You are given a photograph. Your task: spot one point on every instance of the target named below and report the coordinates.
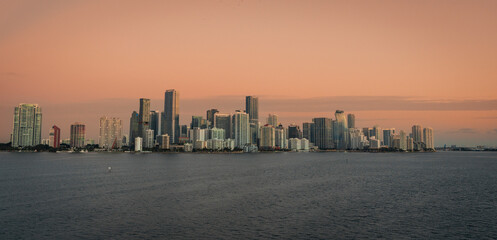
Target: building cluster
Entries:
(239, 130)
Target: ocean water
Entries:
(444, 195)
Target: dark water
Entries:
(240, 196)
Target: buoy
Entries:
(109, 169)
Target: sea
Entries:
(329, 195)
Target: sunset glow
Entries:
(391, 63)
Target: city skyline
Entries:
(94, 133)
(390, 63)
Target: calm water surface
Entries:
(257, 196)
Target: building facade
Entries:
(252, 108)
(78, 135)
(170, 116)
(268, 139)
(27, 125)
(272, 119)
(241, 129)
(323, 133)
(54, 137)
(351, 120)
(428, 138)
(110, 133)
(210, 116)
(133, 127)
(417, 133)
(223, 121)
(340, 130)
(155, 122)
(144, 117)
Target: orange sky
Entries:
(64, 52)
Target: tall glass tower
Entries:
(133, 128)
(170, 116)
(341, 134)
(154, 122)
(252, 108)
(323, 133)
(144, 117)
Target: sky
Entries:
(391, 63)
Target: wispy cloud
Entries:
(10, 74)
(358, 103)
(492, 131)
(463, 131)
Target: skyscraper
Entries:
(280, 137)
(417, 134)
(308, 131)
(184, 131)
(170, 117)
(241, 129)
(254, 133)
(428, 138)
(387, 136)
(323, 133)
(149, 140)
(27, 125)
(351, 120)
(272, 120)
(144, 117)
(164, 141)
(294, 131)
(267, 137)
(340, 132)
(133, 127)
(403, 140)
(154, 122)
(78, 134)
(54, 137)
(223, 121)
(197, 122)
(210, 116)
(252, 108)
(110, 133)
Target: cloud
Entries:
(369, 103)
(10, 74)
(464, 131)
(492, 131)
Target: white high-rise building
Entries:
(27, 125)
(272, 120)
(304, 144)
(241, 129)
(138, 144)
(410, 144)
(417, 134)
(149, 138)
(280, 138)
(216, 133)
(356, 139)
(110, 133)
(215, 144)
(403, 140)
(267, 137)
(164, 141)
(197, 134)
(294, 144)
(229, 144)
(428, 138)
